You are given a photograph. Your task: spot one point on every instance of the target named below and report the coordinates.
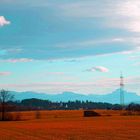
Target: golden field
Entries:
(71, 125)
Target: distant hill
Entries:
(113, 97)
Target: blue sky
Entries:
(69, 45)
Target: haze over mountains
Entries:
(113, 97)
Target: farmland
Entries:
(71, 125)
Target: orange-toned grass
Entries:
(71, 125)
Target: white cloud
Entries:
(5, 73)
(91, 43)
(99, 68)
(121, 14)
(56, 73)
(17, 60)
(3, 21)
(88, 9)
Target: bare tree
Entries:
(5, 96)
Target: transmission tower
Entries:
(121, 90)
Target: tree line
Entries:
(39, 104)
(8, 104)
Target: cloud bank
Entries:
(84, 28)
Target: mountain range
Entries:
(113, 97)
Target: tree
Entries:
(5, 97)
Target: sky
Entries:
(80, 46)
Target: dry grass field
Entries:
(71, 125)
